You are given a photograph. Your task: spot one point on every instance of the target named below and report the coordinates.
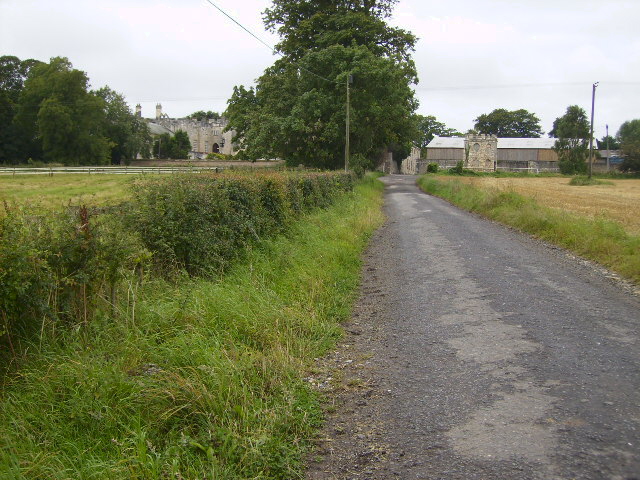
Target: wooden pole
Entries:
(593, 103)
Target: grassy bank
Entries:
(599, 239)
(199, 379)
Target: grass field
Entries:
(58, 190)
(617, 200)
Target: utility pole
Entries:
(346, 143)
(608, 151)
(593, 103)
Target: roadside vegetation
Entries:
(189, 376)
(599, 238)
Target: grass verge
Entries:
(201, 379)
(601, 240)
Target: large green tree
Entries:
(509, 124)
(297, 110)
(629, 138)
(60, 120)
(175, 146)
(13, 73)
(572, 146)
(129, 134)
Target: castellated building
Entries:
(206, 136)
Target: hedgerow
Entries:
(201, 223)
(67, 267)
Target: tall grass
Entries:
(601, 240)
(197, 379)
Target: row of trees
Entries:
(48, 114)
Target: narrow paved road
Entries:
(476, 352)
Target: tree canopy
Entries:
(13, 73)
(172, 146)
(47, 113)
(573, 124)
(129, 134)
(608, 142)
(629, 137)
(297, 110)
(202, 115)
(429, 127)
(572, 131)
(509, 124)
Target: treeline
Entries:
(48, 114)
(64, 268)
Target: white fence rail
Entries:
(115, 170)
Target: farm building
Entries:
(487, 152)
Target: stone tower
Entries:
(138, 110)
(481, 152)
(158, 111)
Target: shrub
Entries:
(458, 169)
(57, 268)
(433, 168)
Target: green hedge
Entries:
(201, 223)
(66, 267)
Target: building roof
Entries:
(536, 143)
(156, 129)
(526, 143)
(446, 142)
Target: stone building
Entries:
(206, 136)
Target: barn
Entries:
(487, 152)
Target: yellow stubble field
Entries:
(619, 201)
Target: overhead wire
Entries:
(276, 52)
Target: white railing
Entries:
(113, 170)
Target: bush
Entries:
(60, 267)
(433, 168)
(458, 169)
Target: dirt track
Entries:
(477, 353)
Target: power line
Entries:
(242, 27)
(266, 44)
(518, 85)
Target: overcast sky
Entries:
(472, 55)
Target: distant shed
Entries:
(445, 150)
(510, 154)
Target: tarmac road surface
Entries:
(476, 352)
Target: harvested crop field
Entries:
(619, 200)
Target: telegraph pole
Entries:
(608, 151)
(346, 143)
(593, 103)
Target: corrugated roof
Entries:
(446, 142)
(532, 143)
(544, 143)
